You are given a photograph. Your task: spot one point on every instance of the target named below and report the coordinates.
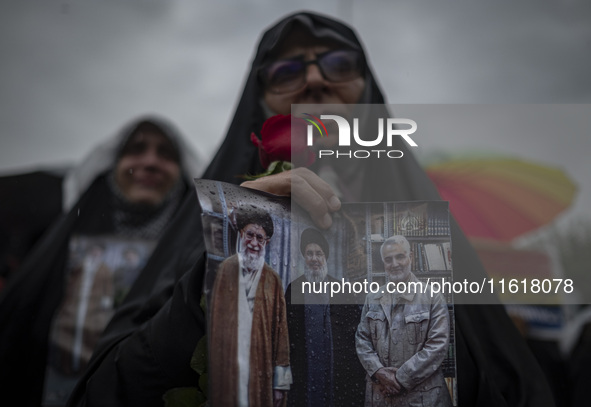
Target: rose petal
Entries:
(284, 138)
(255, 140)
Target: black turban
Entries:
(251, 214)
(312, 235)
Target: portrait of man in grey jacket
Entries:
(403, 337)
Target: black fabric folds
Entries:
(29, 300)
(29, 204)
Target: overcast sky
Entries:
(74, 72)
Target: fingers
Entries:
(382, 389)
(306, 189)
(387, 391)
(392, 381)
(278, 184)
(315, 196)
(388, 385)
(318, 185)
(395, 384)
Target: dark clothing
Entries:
(29, 302)
(348, 376)
(146, 348)
(29, 204)
(148, 345)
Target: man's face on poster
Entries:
(396, 258)
(316, 268)
(252, 248)
(96, 252)
(132, 258)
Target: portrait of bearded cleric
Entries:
(249, 344)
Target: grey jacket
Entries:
(409, 332)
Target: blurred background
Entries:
(73, 72)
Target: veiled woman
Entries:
(494, 365)
(117, 203)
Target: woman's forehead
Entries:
(298, 50)
(150, 135)
(300, 41)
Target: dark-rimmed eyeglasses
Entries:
(289, 75)
(250, 235)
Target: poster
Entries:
(303, 316)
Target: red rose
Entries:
(283, 138)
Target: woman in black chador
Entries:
(147, 350)
(117, 202)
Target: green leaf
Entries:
(199, 358)
(279, 166)
(203, 383)
(203, 304)
(287, 165)
(271, 168)
(183, 397)
(274, 168)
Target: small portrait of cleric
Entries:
(325, 367)
(403, 338)
(249, 344)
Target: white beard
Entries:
(316, 276)
(398, 279)
(251, 261)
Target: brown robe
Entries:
(269, 345)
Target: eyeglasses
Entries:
(289, 75)
(250, 235)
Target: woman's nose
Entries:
(314, 76)
(150, 157)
